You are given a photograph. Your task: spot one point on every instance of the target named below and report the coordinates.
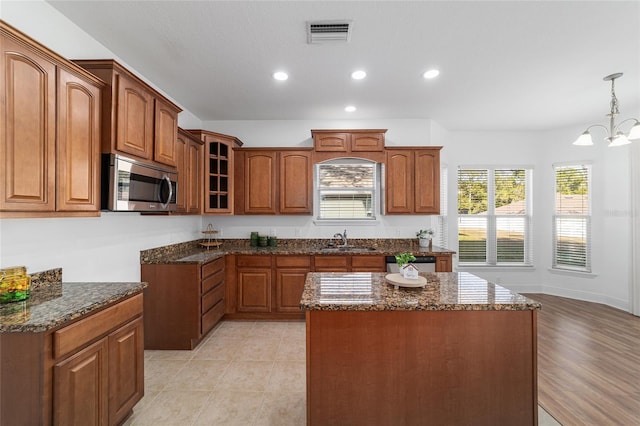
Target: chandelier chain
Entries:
(614, 99)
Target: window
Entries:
(494, 217)
(572, 218)
(443, 226)
(346, 190)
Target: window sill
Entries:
(570, 273)
(514, 268)
(346, 222)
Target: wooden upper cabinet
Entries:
(78, 149)
(189, 160)
(346, 141)
(296, 182)
(50, 138)
(138, 121)
(27, 148)
(274, 181)
(331, 141)
(427, 181)
(135, 118)
(166, 128)
(399, 185)
(260, 182)
(413, 180)
(367, 142)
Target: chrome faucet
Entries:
(342, 236)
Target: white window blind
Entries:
(494, 216)
(346, 191)
(572, 218)
(443, 226)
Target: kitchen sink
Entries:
(341, 249)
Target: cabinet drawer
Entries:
(212, 316)
(212, 297)
(369, 262)
(82, 332)
(293, 261)
(253, 261)
(212, 267)
(212, 281)
(331, 261)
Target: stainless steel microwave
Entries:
(130, 185)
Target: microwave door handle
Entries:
(168, 181)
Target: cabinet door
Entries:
(78, 146)
(193, 163)
(183, 173)
(399, 177)
(336, 142)
(81, 386)
(289, 287)
(296, 182)
(444, 264)
(427, 182)
(331, 263)
(126, 370)
(367, 142)
(166, 129)
(260, 182)
(368, 264)
(254, 290)
(135, 119)
(27, 138)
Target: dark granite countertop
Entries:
(55, 304)
(444, 291)
(192, 252)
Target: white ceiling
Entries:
(505, 65)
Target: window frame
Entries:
(376, 196)
(491, 243)
(555, 265)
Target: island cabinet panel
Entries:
(450, 367)
(183, 302)
(50, 138)
(291, 272)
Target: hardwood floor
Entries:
(588, 362)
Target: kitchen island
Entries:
(461, 351)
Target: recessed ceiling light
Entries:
(350, 108)
(280, 75)
(358, 75)
(431, 74)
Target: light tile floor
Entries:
(243, 373)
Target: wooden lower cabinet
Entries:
(183, 302)
(291, 273)
(444, 263)
(254, 283)
(368, 264)
(88, 372)
(331, 263)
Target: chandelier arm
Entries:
(615, 130)
(597, 125)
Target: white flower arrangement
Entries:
(425, 233)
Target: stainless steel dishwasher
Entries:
(423, 263)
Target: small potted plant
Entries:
(407, 270)
(424, 237)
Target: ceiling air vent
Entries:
(328, 31)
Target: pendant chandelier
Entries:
(614, 135)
